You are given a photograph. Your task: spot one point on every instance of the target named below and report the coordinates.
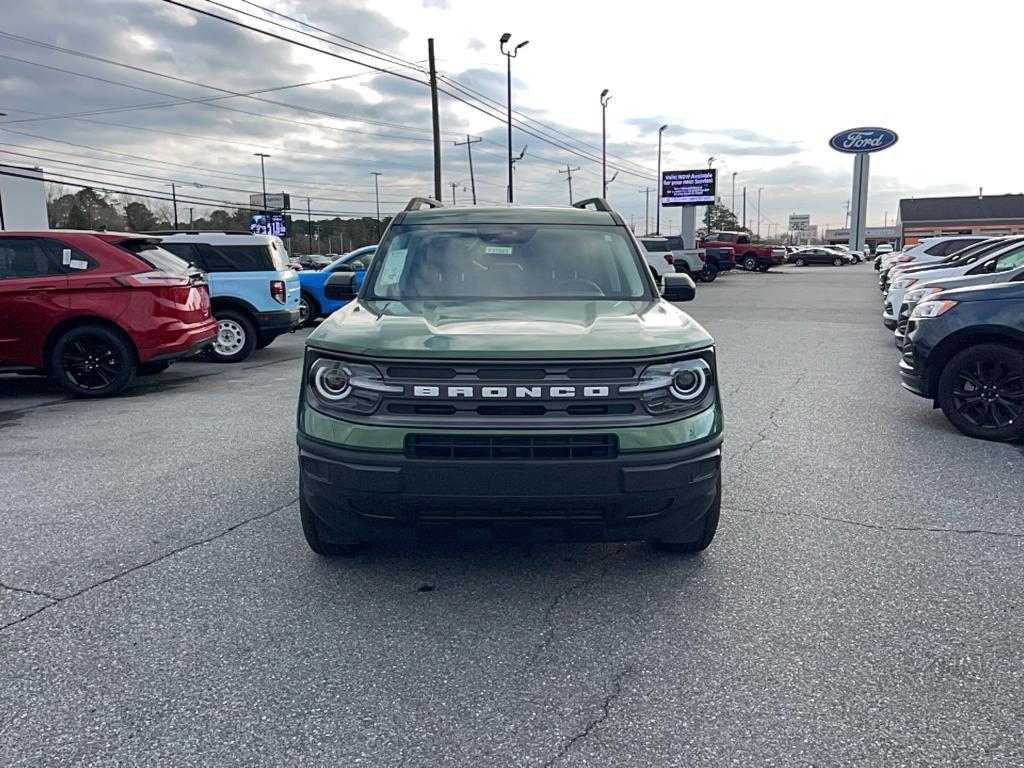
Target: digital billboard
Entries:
(271, 224)
(688, 187)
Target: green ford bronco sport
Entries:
(513, 373)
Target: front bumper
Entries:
(913, 375)
(373, 495)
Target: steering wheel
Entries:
(586, 287)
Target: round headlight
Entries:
(688, 383)
(332, 382)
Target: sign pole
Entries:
(858, 213)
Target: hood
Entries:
(535, 328)
(985, 292)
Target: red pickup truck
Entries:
(748, 255)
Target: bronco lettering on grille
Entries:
(509, 393)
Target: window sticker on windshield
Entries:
(393, 266)
(498, 250)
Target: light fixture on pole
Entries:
(509, 55)
(657, 208)
(605, 98)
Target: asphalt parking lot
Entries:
(860, 606)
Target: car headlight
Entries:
(918, 294)
(684, 386)
(345, 387)
(904, 282)
(932, 308)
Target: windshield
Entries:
(507, 261)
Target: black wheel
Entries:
(708, 273)
(236, 337)
(322, 544)
(309, 309)
(152, 369)
(800, 262)
(93, 361)
(837, 262)
(707, 535)
(981, 391)
(750, 263)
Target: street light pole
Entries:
(759, 189)
(657, 208)
(734, 193)
(509, 55)
(309, 225)
(174, 202)
(605, 98)
(376, 193)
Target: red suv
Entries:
(92, 309)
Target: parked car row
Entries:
(956, 307)
(95, 309)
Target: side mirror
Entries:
(678, 287)
(340, 286)
(991, 266)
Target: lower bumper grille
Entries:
(499, 447)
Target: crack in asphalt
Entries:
(548, 635)
(879, 527)
(606, 709)
(139, 566)
(762, 434)
(34, 592)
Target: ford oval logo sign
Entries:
(861, 140)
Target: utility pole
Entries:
(657, 208)
(568, 172)
(744, 207)
(847, 219)
(469, 142)
(174, 201)
(759, 211)
(263, 173)
(647, 209)
(376, 192)
(734, 193)
(605, 98)
(190, 211)
(437, 120)
(309, 224)
(453, 185)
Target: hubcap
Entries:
(91, 363)
(303, 309)
(230, 338)
(989, 394)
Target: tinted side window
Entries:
(656, 246)
(236, 258)
(1010, 261)
(675, 243)
(187, 253)
(360, 263)
(30, 257)
(155, 256)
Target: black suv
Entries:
(965, 351)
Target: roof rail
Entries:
(417, 203)
(599, 203)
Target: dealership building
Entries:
(874, 236)
(975, 215)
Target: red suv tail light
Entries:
(670, 259)
(278, 292)
(156, 278)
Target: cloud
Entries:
(441, 5)
(476, 44)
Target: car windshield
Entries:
(507, 261)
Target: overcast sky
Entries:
(759, 86)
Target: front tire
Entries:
(981, 392)
(750, 263)
(236, 337)
(318, 536)
(93, 361)
(707, 532)
(309, 309)
(800, 262)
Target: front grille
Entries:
(506, 447)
